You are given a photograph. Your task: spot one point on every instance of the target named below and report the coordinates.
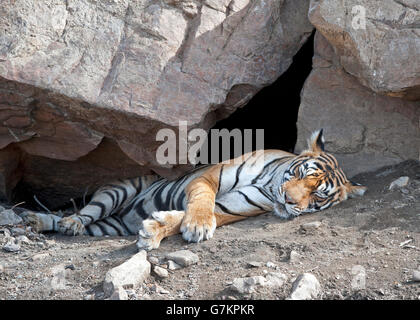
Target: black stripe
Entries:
(117, 225)
(160, 204)
(250, 201)
(238, 172)
(112, 226)
(127, 209)
(318, 166)
(174, 190)
(226, 210)
(133, 184)
(117, 202)
(109, 194)
(264, 193)
(89, 231)
(123, 225)
(102, 228)
(139, 210)
(269, 181)
(87, 216)
(54, 225)
(124, 191)
(341, 177)
(263, 171)
(100, 205)
(180, 201)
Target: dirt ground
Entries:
(380, 232)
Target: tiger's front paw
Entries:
(197, 227)
(161, 224)
(70, 226)
(149, 235)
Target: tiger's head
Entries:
(314, 181)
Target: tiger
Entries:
(210, 196)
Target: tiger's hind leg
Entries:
(160, 225)
(105, 202)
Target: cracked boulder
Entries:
(363, 129)
(378, 42)
(86, 85)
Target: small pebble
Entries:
(11, 247)
(173, 265)
(184, 258)
(399, 183)
(153, 260)
(161, 272)
(23, 239)
(294, 256)
(159, 289)
(305, 287)
(311, 226)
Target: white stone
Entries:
(158, 289)
(11, 247)
(358, 281)
(275, 279)
(184, 258)
(130, 274)
(399, 183)
(173, 265)
(23, 239)
(153, 260)
(311, 226)
(294, 256)
(161, 272)
(305, 287)
(248, 284)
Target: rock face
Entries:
(75, 73)
(363, 129)
(378, 42)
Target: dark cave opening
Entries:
(275, 107)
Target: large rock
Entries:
(365, 130)
(75, 72)
(376, 41)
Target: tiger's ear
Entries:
(316, 141)
(355, 189)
